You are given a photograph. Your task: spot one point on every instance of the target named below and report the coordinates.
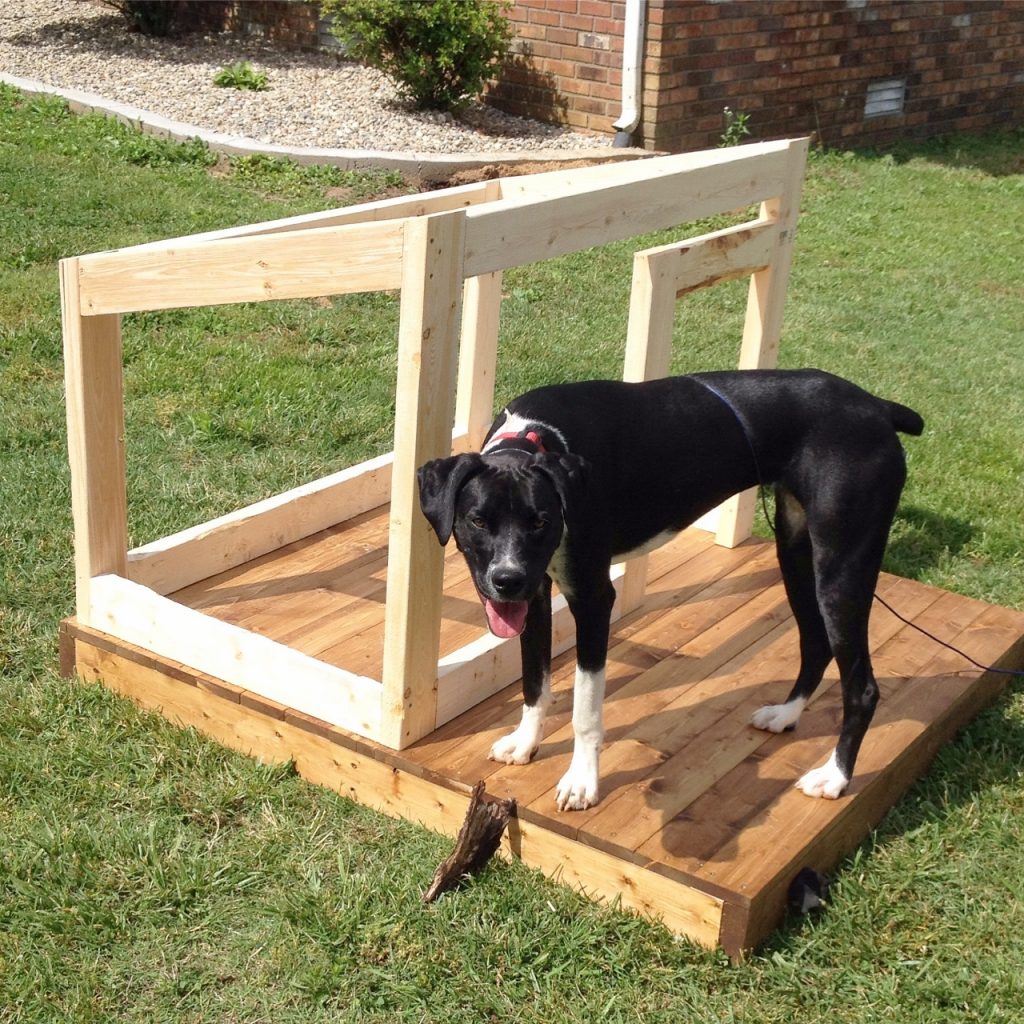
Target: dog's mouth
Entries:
(505, 619)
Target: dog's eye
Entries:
(478, 522)
(539, 523)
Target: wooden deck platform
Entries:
(699, 823)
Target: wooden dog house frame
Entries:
(445, 251)
(141, 625)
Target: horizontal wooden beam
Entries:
(704, 260)
(396, 208)
(642, 197)
(202, 551)
(141, 617)
(290, 265)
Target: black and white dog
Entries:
(574, 477)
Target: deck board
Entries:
(699, 815)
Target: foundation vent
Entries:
(885, 97)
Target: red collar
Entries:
(531, 435)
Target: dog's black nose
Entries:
(507, 580)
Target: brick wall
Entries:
(566, 63)
(792, 66)
(294, 23)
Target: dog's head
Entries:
(508, 511)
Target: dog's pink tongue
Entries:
(506, 618)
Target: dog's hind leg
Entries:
(793, 545)
(848, 549)
(518, 747)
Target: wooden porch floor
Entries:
(698, 821)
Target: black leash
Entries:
(768, 518)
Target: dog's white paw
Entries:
(779, 717)
(826, 782)
(515, 748)
(577, 789)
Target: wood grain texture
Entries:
(94, 396)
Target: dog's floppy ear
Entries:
(569, 474)
(440, 481)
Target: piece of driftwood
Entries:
(475, 844)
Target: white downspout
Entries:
(632, 72)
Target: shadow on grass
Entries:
(996, 153)
(921, 539)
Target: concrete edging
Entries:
(425, 166)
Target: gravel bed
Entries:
(312, 100)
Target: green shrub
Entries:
(439, 53)
(241, 75)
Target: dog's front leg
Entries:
(578, 788)
(535, 644)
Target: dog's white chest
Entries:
(558, 568)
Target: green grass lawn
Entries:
(148, 875)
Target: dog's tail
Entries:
(904, 419)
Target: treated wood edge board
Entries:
(355, 771)
(189, 676)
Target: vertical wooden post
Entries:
(478, 351)
(762, 327)
(478, 358)
(648, 355)
(432, 281)
(95, 415)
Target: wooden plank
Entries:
(653, 663)
(722, 255)
(568, 180)
(648, 355)
(939, 698)
(674, 190)
(478, 351)
(291, 265)
(637, 643)
(331, 762)
(395, 208)
(245, 592)
(501, 711)
(829, 829)
(654, 688)
(125, 610)
(704, 733)
(683, 909)
(94, 396)
(432, 287)
(208, 549)
(691, 831)
(478, 358)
